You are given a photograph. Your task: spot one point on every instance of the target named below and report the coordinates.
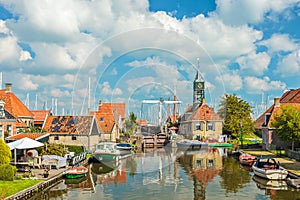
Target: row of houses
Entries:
(16, 118)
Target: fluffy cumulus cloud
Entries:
(289, 66)
(237, 12)
(256, 85)
(231, 82)
(73, 40)
(255, 64)
(279, 42)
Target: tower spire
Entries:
(199, 89)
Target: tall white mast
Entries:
(0, 80)
(35, 104)
(27, 100)
(89, 96)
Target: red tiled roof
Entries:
(108, 114)
(14, 105)
(40, 115)
(68, 124)
(141, 122)
(33, 136)
(291, 97)
(204, 112)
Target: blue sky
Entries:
(133, 50)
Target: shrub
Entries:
(5, 153)
(7, 172)
(76, 149)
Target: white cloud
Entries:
(290, 65)
(25, 55)
(255, 64)
(237, 12)
(56, 92)
(279, 42)
(256, 85)
(106, 90)
(231, 82)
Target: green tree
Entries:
(5, 153)
(287, 124)
(236, 112)
(130, 124)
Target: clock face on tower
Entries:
(199, 85)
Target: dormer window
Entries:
(101, 119)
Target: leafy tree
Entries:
(130, 124)
(287, 124)
(236, 112)
(5, 153)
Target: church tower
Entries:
(199, 88)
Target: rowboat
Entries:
(76, 172)
(268, 168)
(246, 159)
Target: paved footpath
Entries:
(291, 165)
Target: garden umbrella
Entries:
(24, 143)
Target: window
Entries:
(56, 137)
(210, 126)
(74, 137)
(8, 128)
(101, 119)
(266, 119)
(198, 126)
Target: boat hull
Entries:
(247, 159)
(72, 176)
(272, 174)
(105, 157)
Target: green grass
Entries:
(8, 188)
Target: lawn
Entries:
(8, 188)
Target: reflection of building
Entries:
(199, 120)
(204, 166)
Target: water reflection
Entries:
(171, 174)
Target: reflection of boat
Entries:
(108, 151)
(246, 167)
(270, 184)
(246, 159)
(224, 145)
(103, 168)
(76, 172)
(190, 144)
(75, 180)
(268, 168)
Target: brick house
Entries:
(263, 124)
(110, 119)
(7, 122)
(73, 130)
(16, 108)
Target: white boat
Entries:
(191, 144)
(108, 152)
(268, 168)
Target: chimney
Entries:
(277, 102)
(99, 105)
(203, 101)
(8, 87)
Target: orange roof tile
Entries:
(14, 105)
(40, 115)
(33, 136)
(204, 112)
(108, 114)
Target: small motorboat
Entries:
(76, 172)
(246, 159)
(268, 168)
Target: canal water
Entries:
(168, 173)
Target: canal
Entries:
(168, 173)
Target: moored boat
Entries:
(76, 172)
(106, 152)
(223, 145)
(246, 159)
(268, 168)
(190, 144)
(124, 147)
